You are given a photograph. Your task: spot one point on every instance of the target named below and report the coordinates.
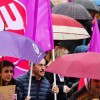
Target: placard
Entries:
(7, 92)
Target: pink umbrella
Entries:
(67, 28)
(83, 65)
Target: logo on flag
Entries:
(35, 48)
(12, 16)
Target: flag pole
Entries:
(54, 75)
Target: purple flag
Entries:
(44, 34)
(94, 45)
(39, 26)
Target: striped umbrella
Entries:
(67, 28)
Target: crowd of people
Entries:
(43, 88)
(42, 83)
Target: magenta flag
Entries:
(94, 45)
(39, 24)
(44, 34)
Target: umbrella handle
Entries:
(30, 79)
(55, 94)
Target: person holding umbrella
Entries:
(62, 82)
(40, 87)
(91, 91)
(6, 76)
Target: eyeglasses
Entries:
(7, 71)
(41, 65)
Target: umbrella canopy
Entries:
(57, 2)
(67, 28)
(19, 46)
(73, 10)
(88, 4)
(83, 65)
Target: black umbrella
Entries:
(73, 10)
(88, 4)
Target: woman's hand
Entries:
(66, 89)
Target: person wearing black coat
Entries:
(60, 80)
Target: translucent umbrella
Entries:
(74, 10)
(88, 4)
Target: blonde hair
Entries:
(60, 51)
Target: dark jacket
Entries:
(61, 95)
(13, 82)
(39, 89)
(77, 94)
